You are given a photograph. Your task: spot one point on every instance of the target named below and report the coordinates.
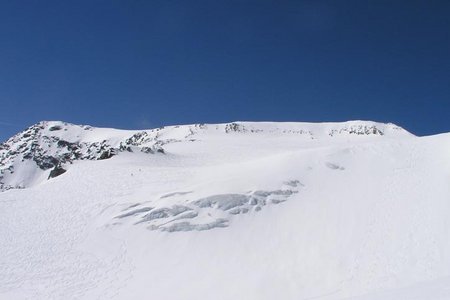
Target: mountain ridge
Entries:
(53, 145)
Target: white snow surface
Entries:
(246, 210)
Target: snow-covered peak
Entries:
(29, 157)
(46, 149)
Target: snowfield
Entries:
(356, 210)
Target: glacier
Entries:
(243, 210)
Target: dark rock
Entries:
(55, 128)
(107, 154)
(232, 127)
(63, 143)
(46, 162)
(147, 150)
(58, 170)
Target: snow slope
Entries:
(355, 210)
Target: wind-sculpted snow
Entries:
(215, 211)
(334, 166)
(135, 211)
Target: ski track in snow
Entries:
(43, 235)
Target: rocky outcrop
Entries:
(54, 145)
(58, 170)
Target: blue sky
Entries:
(141, 64)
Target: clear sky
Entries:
(142, 64)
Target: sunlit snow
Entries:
(356, 210)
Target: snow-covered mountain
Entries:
(244, 210)
(30, 157)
